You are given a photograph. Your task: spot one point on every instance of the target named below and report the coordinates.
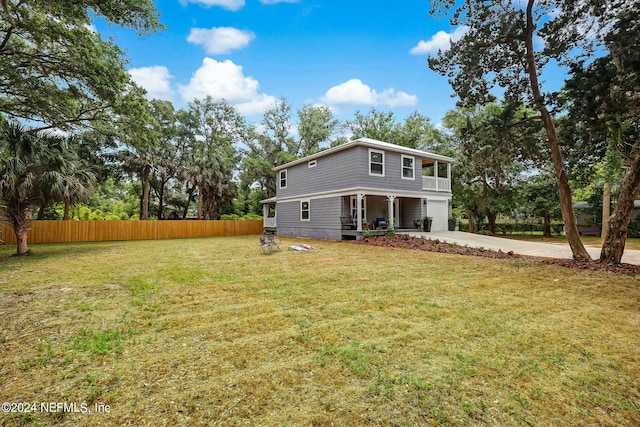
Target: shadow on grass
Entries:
(45, 251)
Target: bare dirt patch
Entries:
(421, 244)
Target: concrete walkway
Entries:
(549, 250)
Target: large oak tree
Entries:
(501, 50)
(605, 95)
(54, 69)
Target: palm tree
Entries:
(36, 169)
(22, 163)
(208, 172)
(140, 162)
(68, 179)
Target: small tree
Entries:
(538, 196)
(23, 161)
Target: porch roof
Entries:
(269, 200)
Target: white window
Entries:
(282, 177)
(376, 162)
(408, 170)
(305, 210)
(312, 163)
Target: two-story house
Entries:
(363, 180)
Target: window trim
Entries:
(280, 179)
(369, 162)
(413, 167)
(308, 210)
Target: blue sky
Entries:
(348, 55)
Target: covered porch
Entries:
(371, 214)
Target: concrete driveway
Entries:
(549, 250)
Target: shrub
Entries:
(229, 217)
(634, 227)
(252, 216)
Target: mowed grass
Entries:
(212, 332)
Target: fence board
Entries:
(98, 231)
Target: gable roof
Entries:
(371, 143)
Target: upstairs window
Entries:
(408, 170)
(282, 177)
(376, 162)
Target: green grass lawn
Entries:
(212, 332)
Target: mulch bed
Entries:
(417, 243)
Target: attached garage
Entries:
(439, 211)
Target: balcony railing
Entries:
(436, 184)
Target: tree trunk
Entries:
(491, 219)
(566, 204)
(67, 209)
(547, 225)
(472, 225)
(144, 208)
(21, 238)
(161, 198)
(200, 200)
(185, 212)
(606, 210)
(613, 246)
(19, 216)
(42, 209)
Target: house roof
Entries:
(371, 143)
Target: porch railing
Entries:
(436, 184)
(269, 222)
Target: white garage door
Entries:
(439, 211)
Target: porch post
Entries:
(359, 198)
(435, 172)
(390, 200)
(449, 174)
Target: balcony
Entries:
(433, 183)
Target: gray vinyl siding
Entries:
(330, 173)
(410, 209)
(324, 220)
(349, 169)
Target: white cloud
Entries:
(226, 80)
(219, 40)
(226, 4)
(155, 80)
(391, 98)
(354, 92)
(278, 1)
(440, 41)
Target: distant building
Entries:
(590, 220)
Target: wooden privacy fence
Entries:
(98, 231)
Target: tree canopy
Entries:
(54, 69)
(499, 52)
